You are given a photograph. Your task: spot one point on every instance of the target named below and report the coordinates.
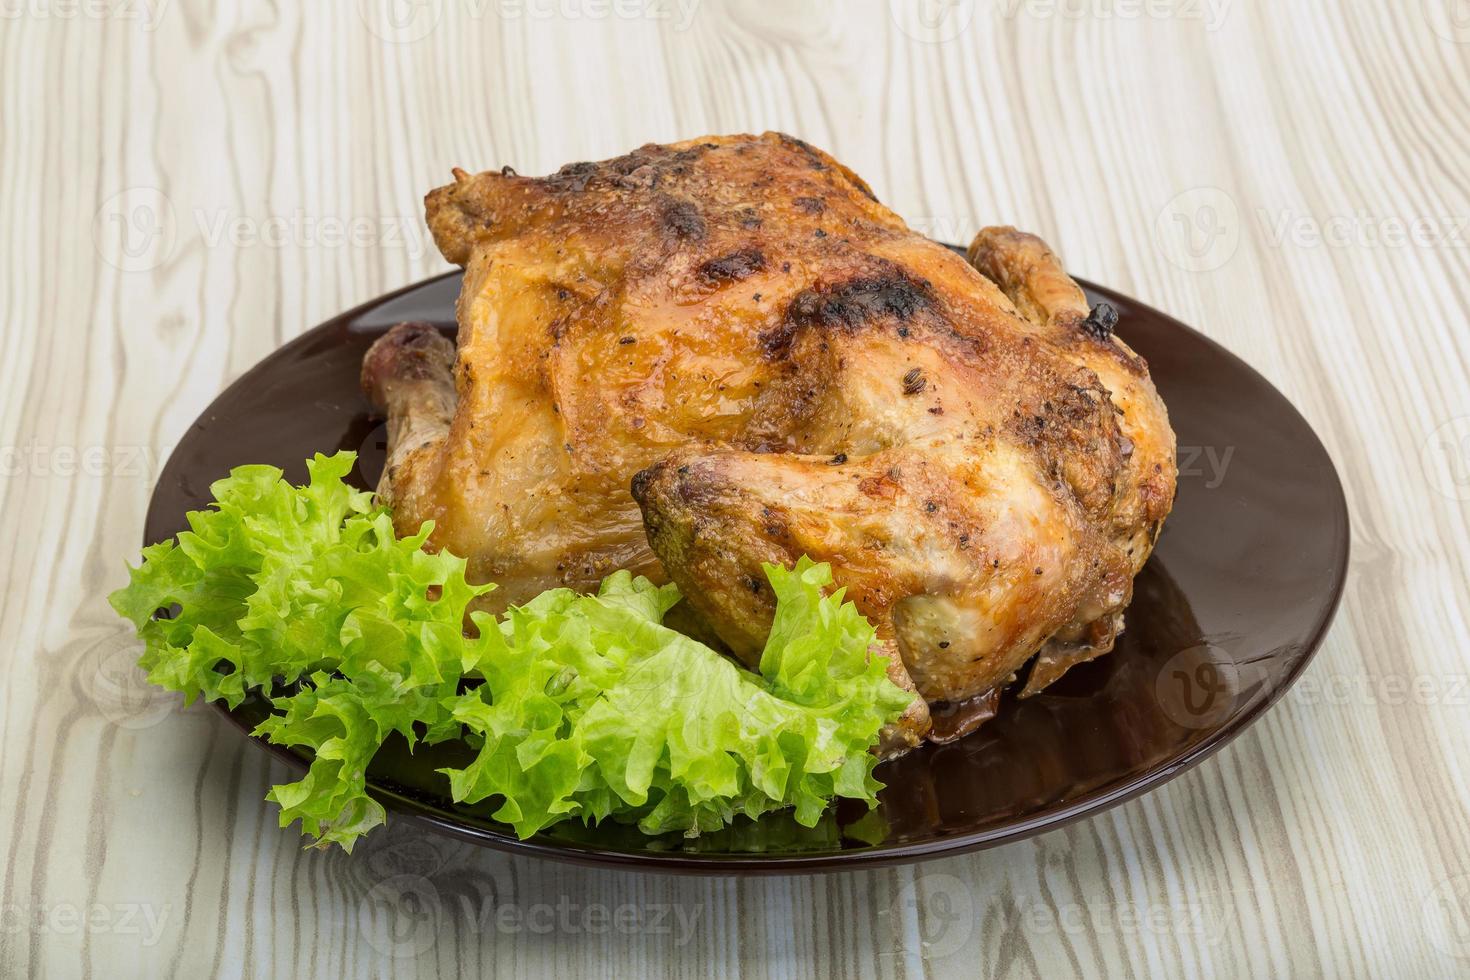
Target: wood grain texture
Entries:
(183, 187)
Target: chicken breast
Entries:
(700, 357)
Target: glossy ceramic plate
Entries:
(1228, 611)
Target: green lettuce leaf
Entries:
(583, 707)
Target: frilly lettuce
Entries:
(579, 706)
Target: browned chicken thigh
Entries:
(696, 358)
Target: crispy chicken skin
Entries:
(699, 357)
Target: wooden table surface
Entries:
(182, 189)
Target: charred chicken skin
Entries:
(696, 358)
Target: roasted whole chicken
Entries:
(700, 357)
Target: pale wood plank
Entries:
(1315, 844)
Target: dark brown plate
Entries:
(1227, 613)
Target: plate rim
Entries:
(880, 855)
